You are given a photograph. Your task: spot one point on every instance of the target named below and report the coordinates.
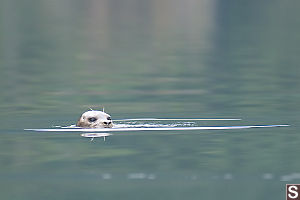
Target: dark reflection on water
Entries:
(186, 59)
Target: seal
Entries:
(95, 119)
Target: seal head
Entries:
(95, 119)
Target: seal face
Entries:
(95, 119)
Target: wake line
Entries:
(170, 119)
(154, 129)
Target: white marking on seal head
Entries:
(95, 119)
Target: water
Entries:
(144, 59)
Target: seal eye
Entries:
(92, 119)
(108, 118)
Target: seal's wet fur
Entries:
(95, 119)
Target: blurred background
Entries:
(149, 58)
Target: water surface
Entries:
(163, 59)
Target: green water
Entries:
(149, 58)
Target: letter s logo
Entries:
(293, 190)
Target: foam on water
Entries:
(152, 125)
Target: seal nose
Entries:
(106, 123)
